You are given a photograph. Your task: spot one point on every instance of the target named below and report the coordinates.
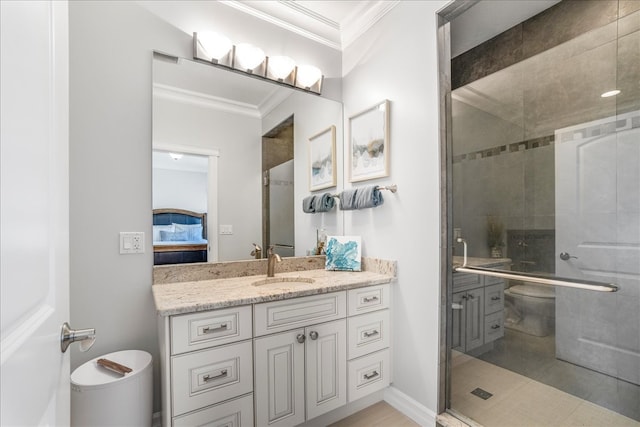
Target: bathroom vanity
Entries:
(244, 351)
(478, 307)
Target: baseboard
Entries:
(408, 406)
(156, 420)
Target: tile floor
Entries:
(553, 392)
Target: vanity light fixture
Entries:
(610, 93)
(308, 77)
(281, 68)
(249, 58)
(215, 46)
(215, 49)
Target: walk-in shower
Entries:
(541, 154)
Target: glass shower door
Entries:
(546, 184)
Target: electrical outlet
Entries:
(131, 242)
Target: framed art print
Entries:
(369, 143)
(322, 160)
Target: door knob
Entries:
(313, 335)
(566, 256)
(86, 337)
(300, 338)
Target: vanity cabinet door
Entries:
(458, 322)
(279, 379)
(326, 363)
(474, 312)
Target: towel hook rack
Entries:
(393, 188)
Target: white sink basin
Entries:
(290, 281)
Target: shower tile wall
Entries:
(511, 94)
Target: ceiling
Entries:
(334, 23)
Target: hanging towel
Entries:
(308, 204)
(361, 198)
(323, 203)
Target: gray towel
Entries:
(308, 204)
(323, 203)
(361, 198)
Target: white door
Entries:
(598, 223)
(34, 218)
(279, 379)
(326, 361)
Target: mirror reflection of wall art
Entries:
(322, 160)
(369, 143)
(343, 253)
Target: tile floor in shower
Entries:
(531, 387)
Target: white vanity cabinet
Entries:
(207, 368)
(276, 363)
(478, 311)
(337, 352)
(300, 373)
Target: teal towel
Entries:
(361, 198)
(324, 203)
(308, 204)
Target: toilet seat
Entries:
(533, 291)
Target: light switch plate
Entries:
(131, 242)
(226, 229)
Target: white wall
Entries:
(111, 47)
(397, 60)
(179, 189)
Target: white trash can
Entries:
(100, 397)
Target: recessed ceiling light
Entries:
(610, 93)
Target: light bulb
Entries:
(249, 56)
(281, 66)
(308, 75)
(215, 45)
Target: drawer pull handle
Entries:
(209, 330)
(313, 335)
(369, 299)
(300, 338)
(495, 327)
(371, 333)
(495, 298)
(371, 375)
(222, 374)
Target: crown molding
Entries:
(297, 19)
(172, 93)
(305, 22)
(364, 18)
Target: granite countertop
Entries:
(481, 262)
(209, 294)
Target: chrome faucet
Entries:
(271, 261)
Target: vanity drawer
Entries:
(201, 378)
(368, 374)
(278, 316)
(493, 298)
(234, 413)
(367, 333)
(197, 331)
(364, 300)
(493, 326)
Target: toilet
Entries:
(530, 309)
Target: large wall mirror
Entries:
(235, 148)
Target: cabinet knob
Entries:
(300, 338)
(313, 335)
